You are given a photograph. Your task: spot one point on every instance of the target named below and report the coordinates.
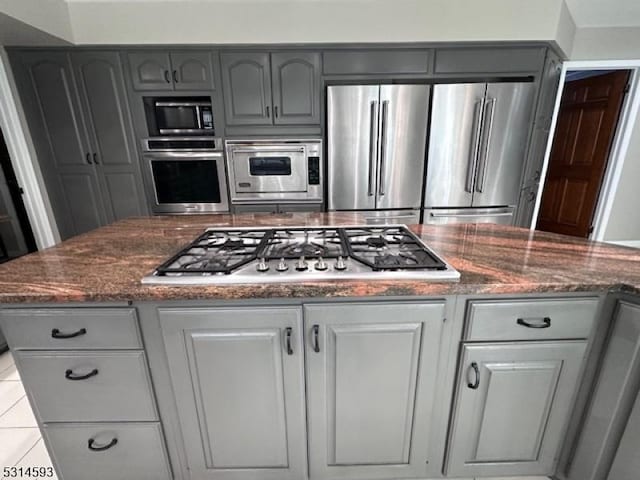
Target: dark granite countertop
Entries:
(107, 264)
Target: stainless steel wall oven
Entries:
(186, 175)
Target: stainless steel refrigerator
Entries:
(376, 141)
(477, 146)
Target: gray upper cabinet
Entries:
(102, 94)
(246, 83)
(480, 60)
(512, 407)
(263, 89)
(371, 388)
(376, 62)
(181, 70)
(150, 70)
(295, 80)
(238, 380)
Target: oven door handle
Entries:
(267, 150)
(182, 155)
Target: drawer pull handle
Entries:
(70, 376)
(288, 333)
(546, 323)
(476, 372)
(316, 341)
(55, 333)
(93, 447)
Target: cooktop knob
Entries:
(321, 265)
(301, 265)
(282, 266)
(340, 265)
(263, 266)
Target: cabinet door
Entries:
(102, 92)
(295, 78)
(150, 71)
(246, 82)
(66, 152)
(371, 384)
(512, 406)
(238, 379)
(192, 70)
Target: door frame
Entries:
(619, 147)
(24, 159)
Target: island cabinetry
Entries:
(238, 380)
(371, 386)
(86, 377)
(516, 385)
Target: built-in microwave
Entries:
(179, 116)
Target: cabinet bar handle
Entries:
(268, 114)
(275, 111)
(55, 333)
(546, 323)
(175, 76)
(88, 158)
(287, 334)
(476, 372)
(166, 76)
(70, 376)
(95, 158)
(92, 447)
(316, 341)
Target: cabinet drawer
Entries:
(71, 328)
(488, 60)
(376, 62)
(490, 320)
(117, 387)
(138, 451)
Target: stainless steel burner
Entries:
(249, 255)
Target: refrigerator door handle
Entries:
(470, 215)
(475, 151)
(373, 137)
(382, 166)
(482, 167)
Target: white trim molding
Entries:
(619, 148)
(24, 161)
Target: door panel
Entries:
(586, 126)
(371, 388)
(510, 415)
(240, 395)
(296, 88)
(150, 70)
(83, 197)
(453, 137)
(352, 135)
(505, 131)
(192, 70)
(124, 195)
(246, 82)
(404, 114)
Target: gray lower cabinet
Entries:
(107, 451)
(238, 381)
(262, 88)
(277, 207)
(371, 388)
(512, 406)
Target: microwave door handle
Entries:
(199, 117)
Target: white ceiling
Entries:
(605, 13)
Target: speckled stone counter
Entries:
(107, 264)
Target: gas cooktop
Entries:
(291, 254)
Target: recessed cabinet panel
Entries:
(489, 60)
(512, 406)
(296, 87)
(370, 386)
(83, 197)
(238, 379)
(125, 196)
(368, 62)
(150, 70)
(247, 88)
(192, 70)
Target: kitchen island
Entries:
(483, 377)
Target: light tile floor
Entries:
(20, 441)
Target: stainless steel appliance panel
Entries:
(506, 125)
(454, 142)
(404, 112)
(352, 133)
(269, 168)
(500, 215)
(391, 217)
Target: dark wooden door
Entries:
(587, 122)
